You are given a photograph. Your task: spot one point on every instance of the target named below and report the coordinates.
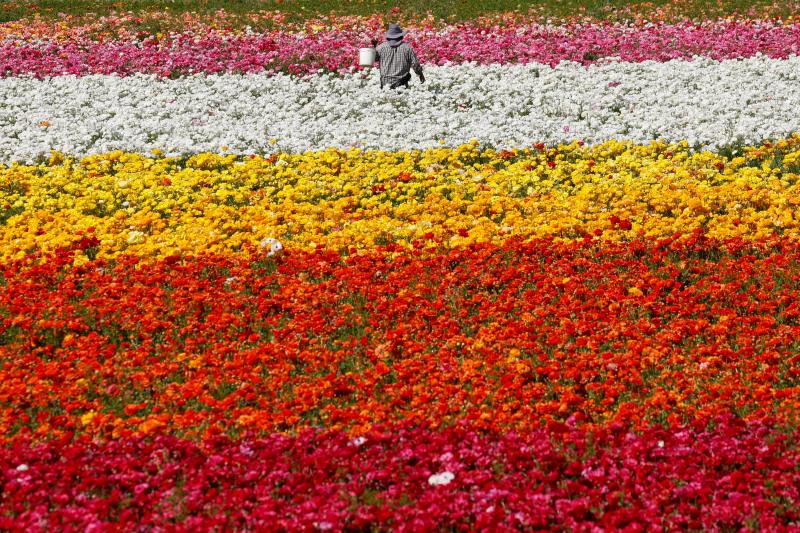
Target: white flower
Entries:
(707, 102)
(23, 468)
(442, 478)
(358, 441)
(135, 237)
(273, 246)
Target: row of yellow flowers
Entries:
(155, 206)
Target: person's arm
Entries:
(415, 66)
(375, 46)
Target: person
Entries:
(397, 59)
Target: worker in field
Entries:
(397, 59)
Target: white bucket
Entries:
(366, 57)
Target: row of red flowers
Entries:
(729, 476)
(519, 337)
(337, 50)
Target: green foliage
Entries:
(450, 10)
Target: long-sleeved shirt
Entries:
(396, 60)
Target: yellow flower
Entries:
(354, 199)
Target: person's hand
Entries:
(421, 78)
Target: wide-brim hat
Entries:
(394, 32)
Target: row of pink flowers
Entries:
(732, 476)
(298, 53)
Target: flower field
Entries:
(553, 288)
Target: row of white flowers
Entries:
(706, 102)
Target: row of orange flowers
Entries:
(517, 336)
(122, 24)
